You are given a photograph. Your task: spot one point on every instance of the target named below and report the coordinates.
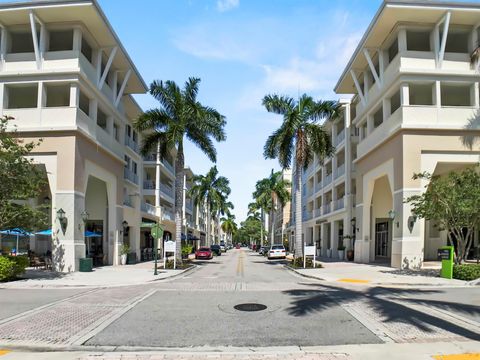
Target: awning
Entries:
(15, 232)
(88, 234)
(190, 237)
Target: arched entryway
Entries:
(381, 224)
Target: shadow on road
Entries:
(382, 301)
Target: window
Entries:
(57, 95)
(128, 131)
(418, 40)
(395, 102)
(134, 167)
(84, 103)
(378, 118)
(393, 50)
(116, 132)
(456, 94)
(421, 94)
(61, 40)
(21, 42)
(135, 136)
(22, 96)
(457, 42)
(102, 119)
(87, 50)
(127, 161)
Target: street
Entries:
(197, 310)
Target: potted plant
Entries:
(341, 252)
(124, 250)
(349, 252)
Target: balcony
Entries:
(168, 214)
(327, 208)
(149, 209)
(340, 171)
(189, 205)
(127, 201)
(130, 176)
(131, 144)
(328, 179)
(309, 191)
(340, 204)
(307, 215)
(340, 137)
(167, 190)
(317, 212)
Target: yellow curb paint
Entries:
(354, 281)
(475, 356)
(4, 352)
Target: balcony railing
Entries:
(149, 185)
(340, 171)
(153, 158)
(131, 143)
(168, 215)
(148, 208)
(317, 212)
(130, 175)
(340, 137)
(339, 204)
(307, 215)
(127, 201)
(326, 208)
(328, 179)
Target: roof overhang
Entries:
(392, 12)
(87, 12)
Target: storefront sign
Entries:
(309, 251)
(445, 254)
(169, 247)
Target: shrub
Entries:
(186, 250)
(466, 272)
(298, 263)
(12, 266)
(185, 264)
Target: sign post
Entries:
(308, 251)
(445, 254)
(157, 233)
(169, 247)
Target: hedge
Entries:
(12, 266)
(466, 272)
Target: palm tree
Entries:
(257, 209)
(229, 226)
(211, 191)
(273, 191)
(180, 117)
(299, 137)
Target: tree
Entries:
(452, 201)
(249, 230)
(20, 181)
(257, 209)
(272, 191)
(211, 191)
(299, 137)
(180, 117)
(229, 226)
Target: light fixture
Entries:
(62, 219)
(84, 214)
(412, 219)
(391, 215)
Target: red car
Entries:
(238, 246)
(204, 253)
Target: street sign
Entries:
(169, 246)
(157, 231)
(445, 254)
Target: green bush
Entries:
(298, 263)
(466, 272)
(186, 250)
(12, 266)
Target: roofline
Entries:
(29, 4)
(398, 3)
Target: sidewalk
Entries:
(377, 275)
(107, 276)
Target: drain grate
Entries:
(250, 307)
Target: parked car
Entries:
(277, 252)
(263, 250)
(203, 253)
(237, 246)
(223, 248)
(216, 249)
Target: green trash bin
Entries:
(86, 265)
(132, 258)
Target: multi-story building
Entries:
(282, 216)
(414, 88)
(65, 78)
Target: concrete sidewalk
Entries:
(377, 275)
(107, 276)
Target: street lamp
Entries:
(62, 219)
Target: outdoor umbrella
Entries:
(88, 234)
(16, 232)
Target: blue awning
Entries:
(16, 232)
(88, 234)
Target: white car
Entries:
(277, 252)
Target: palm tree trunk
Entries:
(179, 178)
(209, 224)
(261, 228)
(272, 236)
(298, 211)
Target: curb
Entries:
(153, 281)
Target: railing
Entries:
(328, 179)
(339, 204)
(149, 185)
(166, 189)
(189, 205)
(340, 171)
(130, 175)
(148, 208)
(168, 165)
(340, 137)
(317, 212)
(127, 201)
(307, 215)
(168, 215)
(153, 158)
(150, 157)
(326, 208)
(131, 144)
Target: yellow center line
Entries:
(354, 281)
(472, 356)
(240, 264)
(4, 352)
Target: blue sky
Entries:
(242, 50)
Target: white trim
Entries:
(36, 49)
(446, 24)
(357, 85)
(406, 190)
(122, 87)
(79, 193)
(107, 66)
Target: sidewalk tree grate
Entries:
(250, 307)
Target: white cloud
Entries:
(227, 5)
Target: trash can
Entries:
(132, 258)
(86, 265)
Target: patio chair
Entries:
(38, 262)
(48, 263)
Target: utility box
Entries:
(445, 254)
(86, 265)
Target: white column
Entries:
(404, 94)
(41, 96)
(74, 95)
(77, 39)
(402, 40)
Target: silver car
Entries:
(277, 252)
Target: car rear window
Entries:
(277, 247)
(203, 249)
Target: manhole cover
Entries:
(250, 307)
